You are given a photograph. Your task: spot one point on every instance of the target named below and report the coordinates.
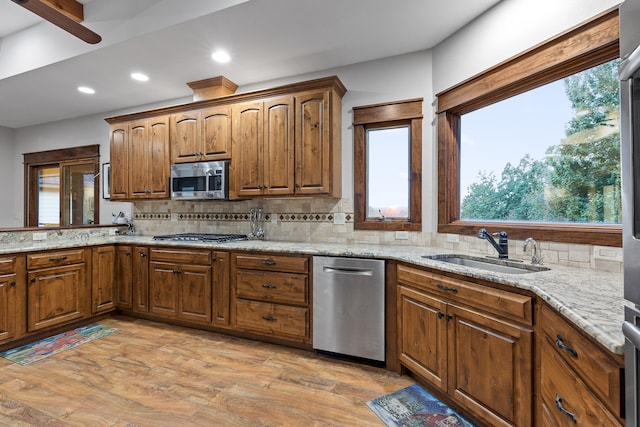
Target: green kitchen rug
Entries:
(413, 407)
(42, 349)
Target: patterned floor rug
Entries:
(413, 407)
(42, 349)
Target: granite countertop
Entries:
(592, 300)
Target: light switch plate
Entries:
(39, 236)
(607, 253)
(339, 218)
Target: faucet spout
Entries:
(502, 246)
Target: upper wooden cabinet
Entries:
(201, 135)
(140, 159)
(282, 141)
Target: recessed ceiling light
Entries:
(85, 89)
(220, 56)
(139, 77)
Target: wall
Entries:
(7, 216)
(507, 29)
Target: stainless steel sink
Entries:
(488, 264)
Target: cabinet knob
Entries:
(127, 253)
(142, 254)
(13, 283)
(33, 280)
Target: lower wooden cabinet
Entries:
(12, 297)
(103, 288)
(480, 360)
(181, 288)
(221, 289)
(580, 384)
(58, 289)
(132, 278)
(271, 296)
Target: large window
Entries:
(532, 145)
(62, 187)
(388, 166)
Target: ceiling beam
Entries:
(65, 14)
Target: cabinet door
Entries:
(221, 288)
(313, 150)
(163, 289)
(102, 280)
(138, 159)
(124, 277)
(149, 158)
(423, 335)
(490, 367)
(278, 150)
(55, 296)
(247, 165)
(119, 158)
(8, 305)
(186, 134)
(158, 158)
(140, 279)
(194, 293)
(216, 133)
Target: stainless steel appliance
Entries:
(201, 237)
(200, 181)
(630, 159)
(348, 307)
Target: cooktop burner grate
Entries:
(201, 237)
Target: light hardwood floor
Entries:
(151, 374)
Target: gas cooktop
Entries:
(201, 237)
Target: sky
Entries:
(493, 136)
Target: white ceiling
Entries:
(41, 65)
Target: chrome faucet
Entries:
(503, 243)
(536, 258)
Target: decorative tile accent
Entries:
(310, 217)
(142, 216)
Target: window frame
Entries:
(60, 158)
(390, 114)
(588, 45)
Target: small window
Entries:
(62, 187)
(388, 166)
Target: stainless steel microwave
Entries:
(200, 181)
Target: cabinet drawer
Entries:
(273, 319)
(566, 400)
(273, 263)
(499, 302)
(8, 265)
(601, 373)
(285, 288)
(178, 256)
(54, 258)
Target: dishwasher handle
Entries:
(349, 271)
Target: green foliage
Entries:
(579, 180)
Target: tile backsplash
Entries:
(330, 220)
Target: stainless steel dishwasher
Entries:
(348, 306)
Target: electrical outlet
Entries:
(39, 236)
(607, 253)
(453, 238)
(402, 235)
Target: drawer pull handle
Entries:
(56, 259)
(446, 288)
(268, 262)
(268, 286)
(269, 318)
(560, 343)
(561, 408)
(177, 271)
